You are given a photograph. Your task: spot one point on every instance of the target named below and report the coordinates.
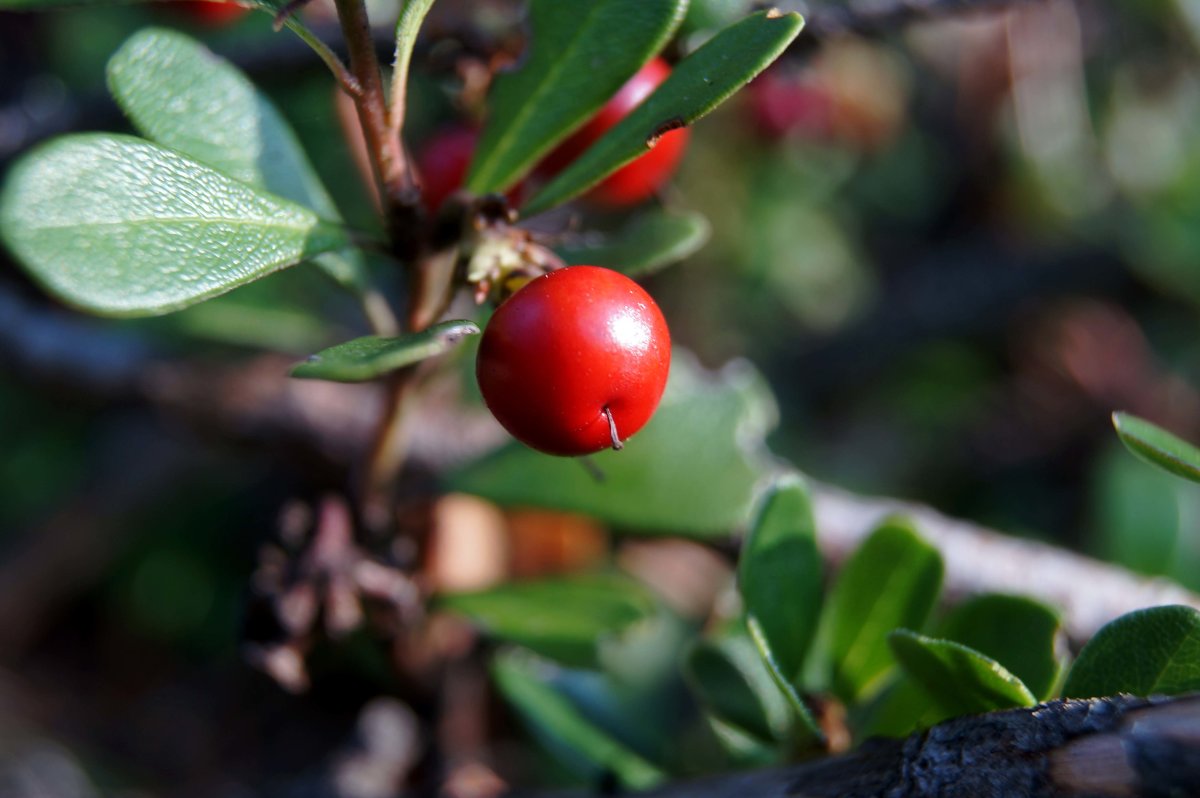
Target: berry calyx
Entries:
(575, 361)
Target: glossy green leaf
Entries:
(787, 686)
(1145, 652)
(779, 575)
(583, 747)
(408, 25)
(563, 619)
(1155, 445)
(697, 85)
(1021, 634)
(729, 677)
(691, 471)
(373, 356)
(901, 709)
(892, 581)
(120, 226)
(650, 242)
(959, 679)
(177, 93)
(579, 55)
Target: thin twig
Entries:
(387, 157)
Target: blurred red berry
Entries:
(639, 180)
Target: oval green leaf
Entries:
(177, 93)
(1021, 634)
(373, 356)
(729, 677)
(691, 471)
(1146, 652)
(892, 581)
(562, 619)
(779, 575)
(580, 54)
(697, 85)
(653, 240)
(961, 681)
(554, 722)
(1157, 446)
(119, 226)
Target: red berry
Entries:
(571, 352)
(214, 13)
(638, 180)
(781, 103)
(442, 165)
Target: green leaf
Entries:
(1155, 445)
(177, 93)
(808, 723)
(779, 575)
(1145, 652)
(959, 679)
(562, 730)
(1021, 634)
(697, 85)
(120, 226)
(890, 582)
(373, 356)
(729, 677)
(691, 471)
(408, 25)
(563, 619)
(579, 56)
(652, 241)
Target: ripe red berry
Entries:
(638, 180)
(576, 361)
(783, 103)
(213, 13)
(442, 165)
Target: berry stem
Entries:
(612, 430)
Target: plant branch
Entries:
(870, 18)
(329, 426)
(1119, 746)
(1090, 593)
(388, 160)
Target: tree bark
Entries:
(1116, 747)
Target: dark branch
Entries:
(1121, 746)
(328, 425)
(873, 17)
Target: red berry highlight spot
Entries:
(576, 361)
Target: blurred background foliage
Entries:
(952, 248)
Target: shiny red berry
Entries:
(212, 13)
(640, 179)
(576, 361)
(442, 165)
(782, 103)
